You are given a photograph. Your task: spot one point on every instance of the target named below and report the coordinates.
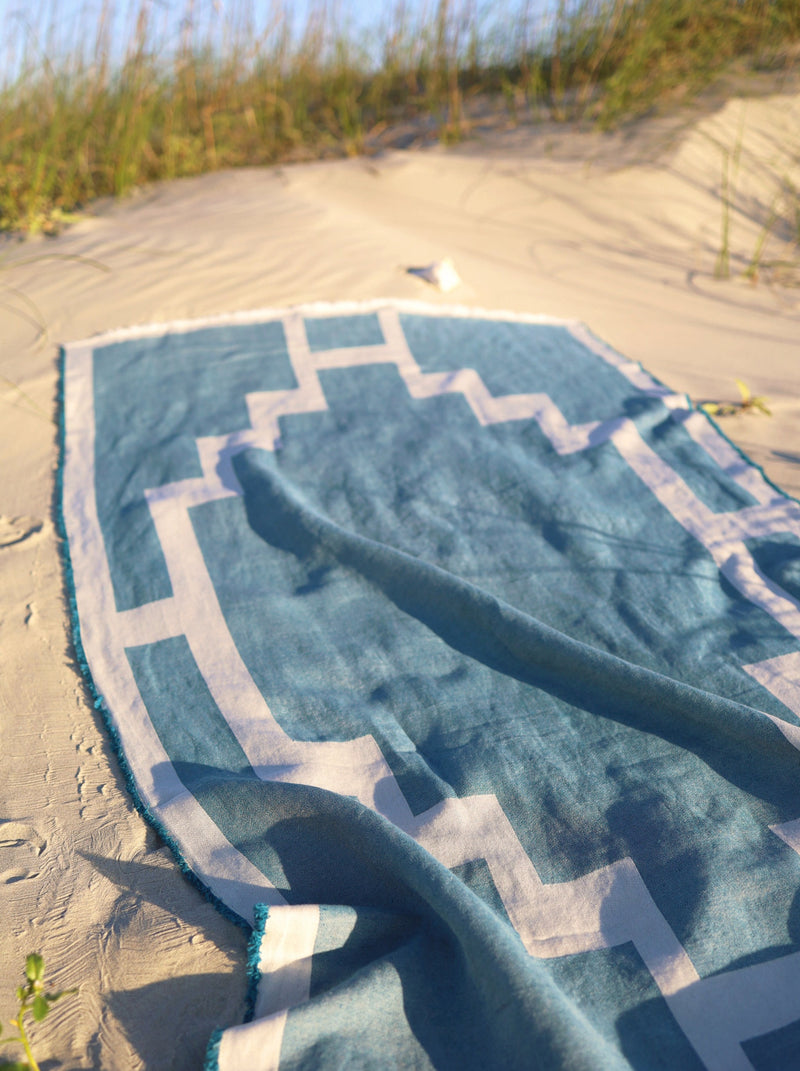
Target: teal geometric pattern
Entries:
(472, 652)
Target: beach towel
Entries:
(459, 659)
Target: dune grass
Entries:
(239, 86)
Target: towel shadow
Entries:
(184, 1008)
(178, 1009)
(637, 1026)
(784, 455)
(166, 888)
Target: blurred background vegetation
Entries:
(87, 112)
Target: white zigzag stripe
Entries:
(602, 909)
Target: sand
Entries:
(621, 231)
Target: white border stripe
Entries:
(286, 950)
(227, 873)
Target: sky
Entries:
(76, 20)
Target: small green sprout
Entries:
(32, 998)
(750, 403)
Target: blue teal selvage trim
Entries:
(211, 1062)
(99, 702)
(748, 460)
(253, 957)
(698, 408)
(253, 981)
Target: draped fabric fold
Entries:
(460, 660)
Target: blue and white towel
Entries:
(461, 660)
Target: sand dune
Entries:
(621, 231)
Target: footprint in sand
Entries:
(15, 530)
(9, 877)
(16, 839)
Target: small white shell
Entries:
(441, 274)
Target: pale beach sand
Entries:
(620, 231)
